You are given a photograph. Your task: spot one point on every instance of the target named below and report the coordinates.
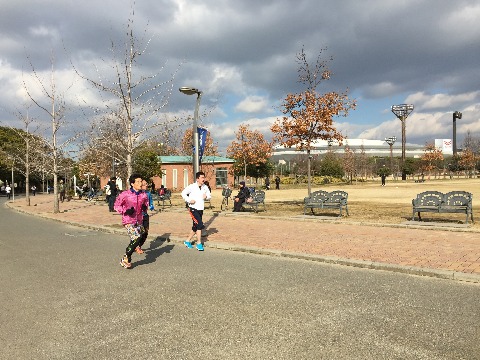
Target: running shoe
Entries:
(188, 244)
(139, 250)
(125, 263)
(200, 247)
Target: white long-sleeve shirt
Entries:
(195, 192)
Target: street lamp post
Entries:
(244, 160)
(456, 115)
(195, 161)
(390, 141)
(13, 184)
(401, 112)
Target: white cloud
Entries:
(426, 102)
(253, 104)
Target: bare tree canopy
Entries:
(133, 102)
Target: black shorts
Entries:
(196, 216)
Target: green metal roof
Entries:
(188, 159)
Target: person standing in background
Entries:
(277, 183)
(113, 193)
(8, 190)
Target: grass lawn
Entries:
(367, 201)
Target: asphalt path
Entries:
(64, 295)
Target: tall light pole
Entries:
(390, 141)
(13, 183)
(456, 115)
(190, 91)
(401, 112)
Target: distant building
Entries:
(177, 171)
(371, 148)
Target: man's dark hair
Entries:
(132, 178)
(198, 174)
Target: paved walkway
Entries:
(440, 251)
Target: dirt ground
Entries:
(368, 201)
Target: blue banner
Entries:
(202, 140)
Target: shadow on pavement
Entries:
(155, 250)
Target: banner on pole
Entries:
(202, 140)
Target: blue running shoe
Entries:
(188, 244)
(200, 247)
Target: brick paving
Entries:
(446, 252)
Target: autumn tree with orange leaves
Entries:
(308, 116)
(467, 161)
(249, 148)
(431, 158)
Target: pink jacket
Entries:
(128, 199)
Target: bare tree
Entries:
(471, 143)
(134, 100)
(349, 163)
(55, 110)
(23, 158)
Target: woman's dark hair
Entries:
(132, 178)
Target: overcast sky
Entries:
(241, 54)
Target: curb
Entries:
(366, 264)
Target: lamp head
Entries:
(402, 111)
(457, 115)
(189, 90)
(391, 140)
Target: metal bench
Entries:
(322, 199)
(258, 197)
(163, 198)
(97, 196)
(438, 202)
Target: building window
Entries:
(174, 178)
(185, 178)
(221, 177)
(164, 178)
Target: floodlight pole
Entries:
(401, 112)
(456, 115)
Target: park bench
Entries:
(162, 198)
(438, 202)
(322, 199)
(258, 197)
(207, 203)
(97, 196)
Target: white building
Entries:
(371, 148)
